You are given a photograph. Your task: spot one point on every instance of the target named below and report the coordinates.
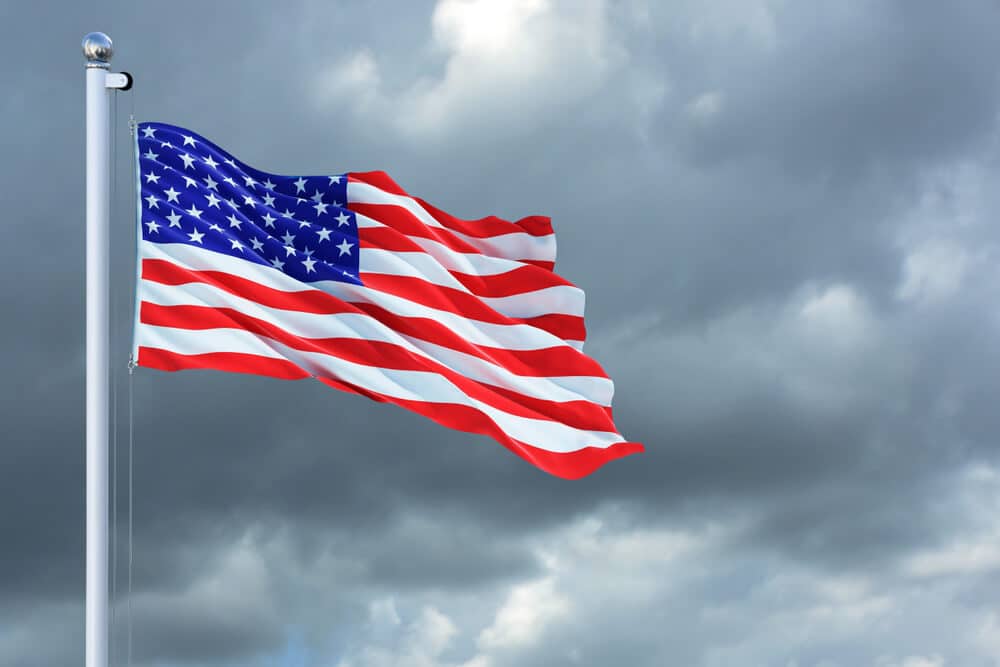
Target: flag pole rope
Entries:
(131, 495)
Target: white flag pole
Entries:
(97, 49)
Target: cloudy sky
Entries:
(784, 217)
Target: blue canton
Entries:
(194, 192)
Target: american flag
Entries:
(348, 279)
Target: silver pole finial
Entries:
(97, 50)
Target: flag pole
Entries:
(98, 50)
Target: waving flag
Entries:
(348, 279)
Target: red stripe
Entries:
(535, 225)
(569, 465)
(566, 327)
(579, 414)
(582, 462)
(387, 238)
(540, 263)
(519, 281)
(525, 278)
(404, 222)
(450, 299)
(490, 226)
(306, 301)
(554, 361)
(164, 360)
(379, 179)
(550, 361)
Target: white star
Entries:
(151, 200)
(289, 250)
(211, 162)
(148, 132)
(195, 212)
(277, 263)
(324, 234)
(154, 227)
(232, 203)
(309, 262)
(166, 144)
(248, 201)
(269, 200)
(287, 213)
(320, 208)
(196, 236)
(334, 180)
(236, 245)
(349, 275)
(150, 154)
(303, 223)
(171, 194)
(269, 220)
(152, 178)
(230, 163)
(213, 200)
(190, 182)
(300, 185)
(249, 181)
(234, 221)
(300, 200)
(307, 252)
(215, 227)
(257, 245)
(188, 160)
(345, 248)
(188, 141)
(317, 196)
(175, 219)
(343, 219)
(210, 184)
(268, 184)
(229, 180)
(288, 238)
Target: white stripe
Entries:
(505, 336)
(558, 299)
(358, 326)
(517, 245)
(406, 385)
